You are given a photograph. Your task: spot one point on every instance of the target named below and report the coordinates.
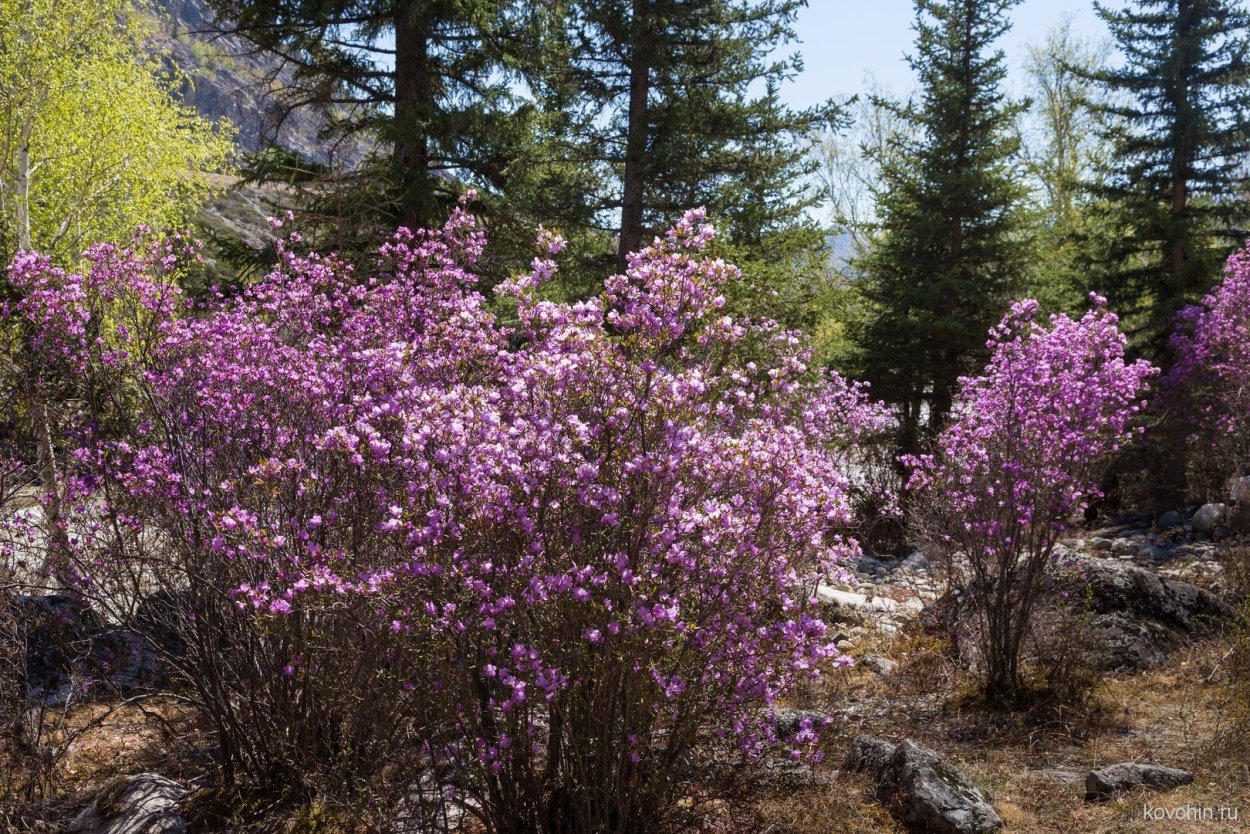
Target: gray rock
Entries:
(142, 804)
(1139, 617)
(67, 644)
(931, 796)
(1209, 516)
(1240, 492)
(869, 755)
(1104, 782)
(1125, 547)
(787, 774)
(877, 663)
(1154, 553)
(1060, 775)
(787, 722)
(1098, 543)
(58, 632)
(1171, 519)
(917, 561)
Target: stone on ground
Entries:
(141, 804)
(926, 793)
(1116, 778)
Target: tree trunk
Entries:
(58, 552)
(636, 135)
(23, 188)
(414, 106)
(1173, 469)
(49, 476)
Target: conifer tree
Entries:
(1177, 110)
(949, 246)
(425, 81)
(676, 104)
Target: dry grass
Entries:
(1033, 771)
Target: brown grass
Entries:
(1033, 771)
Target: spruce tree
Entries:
(1178, 109)
(424, 82)
(676, 104)
(949, 245)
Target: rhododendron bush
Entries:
(1019, 460)
(1209, 385)
(547, 567)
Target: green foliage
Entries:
(950, 244)
(1063, 154)
(426, 83)
(1176, 115)
(664, 105)
(92, 142)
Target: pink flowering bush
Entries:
(542, 571)
(1209, 384)
(65, 339)
(1020, 458)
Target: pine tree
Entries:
(1178, 113)
(949, 246)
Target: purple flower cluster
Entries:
(1022, 456)
(593, 538)
(1027, 435)
(1209, 384)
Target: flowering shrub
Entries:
(547, 567)
(1209, 384)
(1019, 459)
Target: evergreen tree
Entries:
(424, 81)
(1177, 111)
(676, 104)
(949, 246)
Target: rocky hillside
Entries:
(227, 80)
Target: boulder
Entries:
(1104, 782)
(927, 794)
(1125, 547)
(787, 722)
(931, 796)
(917, 561)
(1138, 617)
(877, 663)
(1171, 519)
(1208, 517)
(870, 756)
(58, 631)
(1240, 493)
(142, 804)
(68, 646)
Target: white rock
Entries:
(142, 804)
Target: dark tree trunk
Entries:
(636, 135)
(414, 104)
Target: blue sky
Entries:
(843, 41)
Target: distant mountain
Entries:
(226, 78)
